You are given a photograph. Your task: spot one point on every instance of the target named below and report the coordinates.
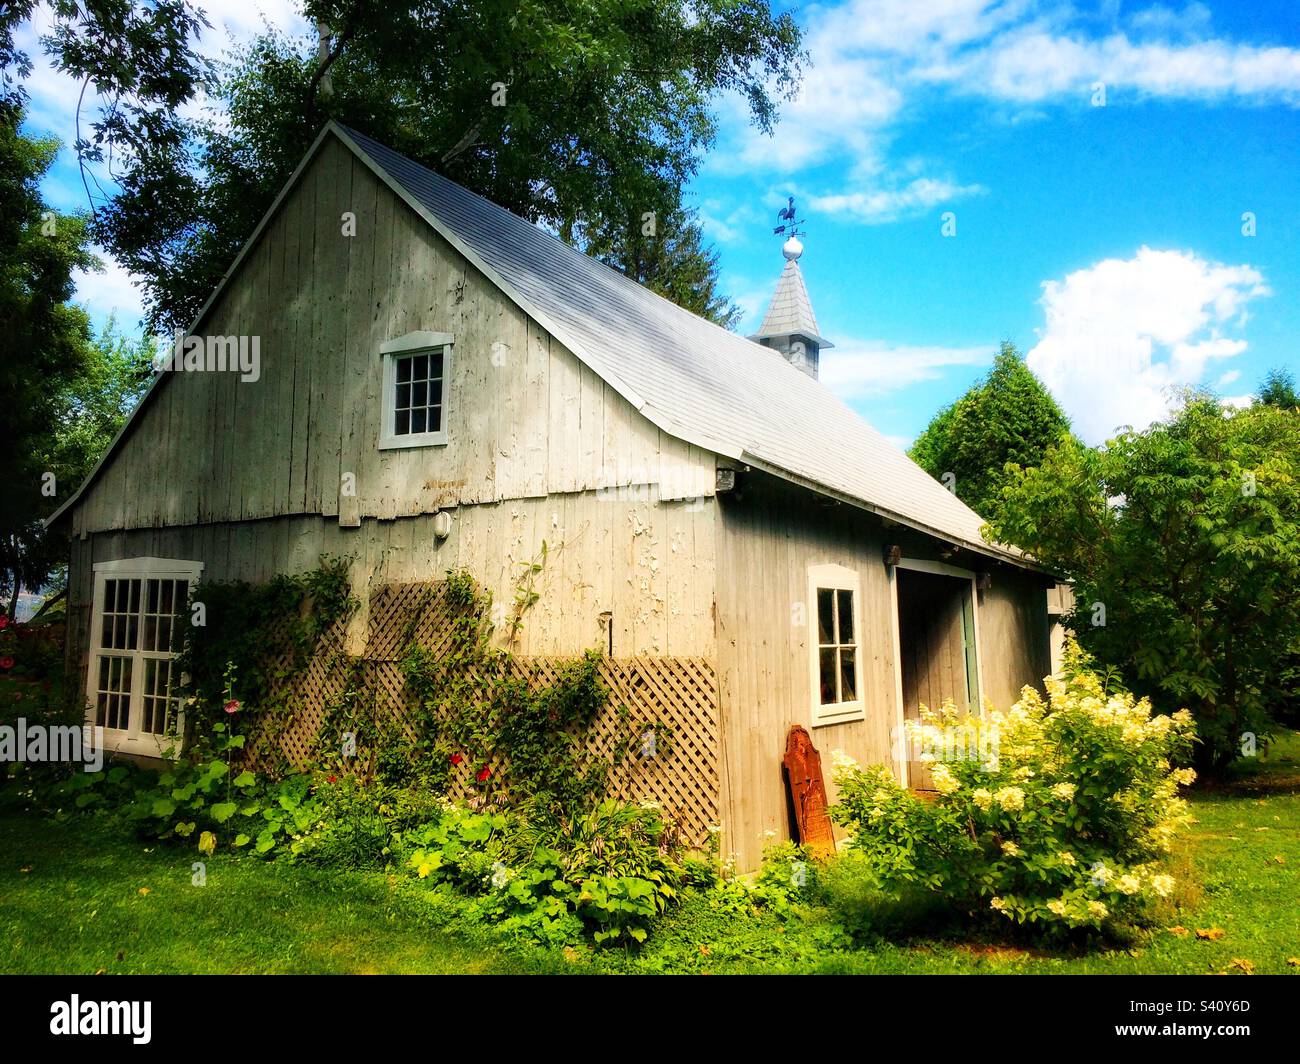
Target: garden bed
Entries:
(82, 896)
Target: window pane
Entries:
(825, 615)
(420, 394)
(435, 418)
(435, 393)
(846, 616)
(402, 423)
(420, 368)
(418, 418)
(848, 675)
(151, 600)
(435, 365)
(150, 633)
(403, 396)
(828, 677)
(403, 369)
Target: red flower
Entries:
(18, 696)
(333, 779)
(6, 663)
(232, 706)
(4, 621)
(484, 773)
(456, 759)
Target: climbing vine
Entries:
(246, 643)
(475, 703)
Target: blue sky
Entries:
(1106, 241)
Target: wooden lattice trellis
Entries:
(680, 694)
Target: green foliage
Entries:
(1007, 417)
(521, 738)
(583, 118)
(551, 878)
(1188, 535)
(1052, 814)
(1279, 390)
(47, 350)
(259, 634)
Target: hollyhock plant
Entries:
(484, 774)
(232, 706)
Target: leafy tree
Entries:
(1007, 417)
(1279, 389)
(1187, 534)
(65, 393)
(46, 343)
(580, 117)
(672, 260)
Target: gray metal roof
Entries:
(690, 377)
(790, 313)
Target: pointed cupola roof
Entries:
(790, 313)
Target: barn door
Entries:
(970, 654)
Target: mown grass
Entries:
(80, 896)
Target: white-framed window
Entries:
(835, 603)
(416, 372)
(133, 677)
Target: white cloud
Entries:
(875, 63)
(857, 369)
(876, 204)
(1121, 334)
(110, 291)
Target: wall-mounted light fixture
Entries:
(442, 524)
(893, 555)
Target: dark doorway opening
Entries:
(936, 630)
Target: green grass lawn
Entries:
(79, 896)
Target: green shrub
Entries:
(606, 871)
(1061, 820)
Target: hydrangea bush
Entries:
(1054, 813)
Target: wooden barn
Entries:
(422, 381)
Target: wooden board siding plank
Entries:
(565, 427)
(361, 345)
(333, 198)
(300, 281)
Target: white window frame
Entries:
(414, 343)
(834, 578)
(131, 740)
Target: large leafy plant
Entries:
(1060, 818)
(1183, 543)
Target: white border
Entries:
(130, 740)
(413, 343)
(838, 578)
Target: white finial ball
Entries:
(792, 248)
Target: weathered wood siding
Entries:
(767, 539)
(1014, 635)
(648, 565)
(768, 535)
(526, 419)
